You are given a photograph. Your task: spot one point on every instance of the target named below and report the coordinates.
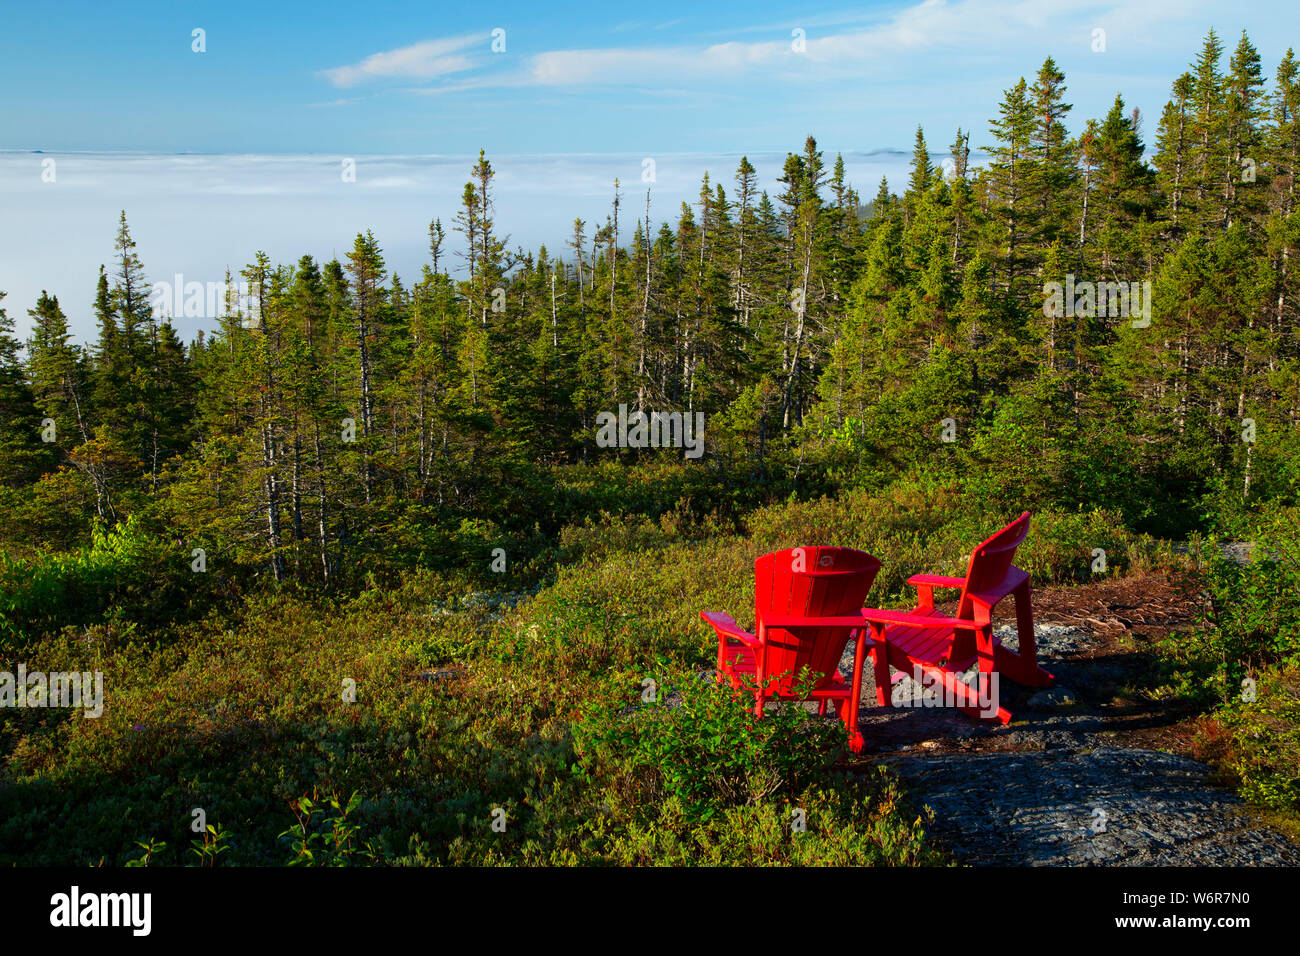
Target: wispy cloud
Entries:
(421, 61)
(858, 48)
(929, 25)
(342, 102)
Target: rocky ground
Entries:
(1090, 772)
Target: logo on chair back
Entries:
(826, 560)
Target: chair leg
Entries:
(1023, 667)
(849, 714)
(880, 661)
(854, 703)
(856, 741)
(987, 662)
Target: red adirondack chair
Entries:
(807, 604)
(942, 648)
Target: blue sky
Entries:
(421, 77)
(581, 93)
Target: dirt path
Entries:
(1088, 773)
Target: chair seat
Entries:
(942, 653)
(929, 645)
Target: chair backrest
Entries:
(990, 562)
(808, 582)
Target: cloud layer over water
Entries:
(201, 214)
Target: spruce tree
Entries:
(58, 373)
(23, 455)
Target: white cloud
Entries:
(934, 27)
(342, 102)
(851, 49)
(423, 61)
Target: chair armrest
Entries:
(937, 581)
(788, 622)
(880, 616)
(726, 626)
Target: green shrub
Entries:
(1254, 607)
(1246, 658)
(701, 744)
(862, 823)
(693, 777)
(124, 574)
(1264, 753)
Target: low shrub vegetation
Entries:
(470, 709)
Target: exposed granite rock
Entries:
(1106, 807)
